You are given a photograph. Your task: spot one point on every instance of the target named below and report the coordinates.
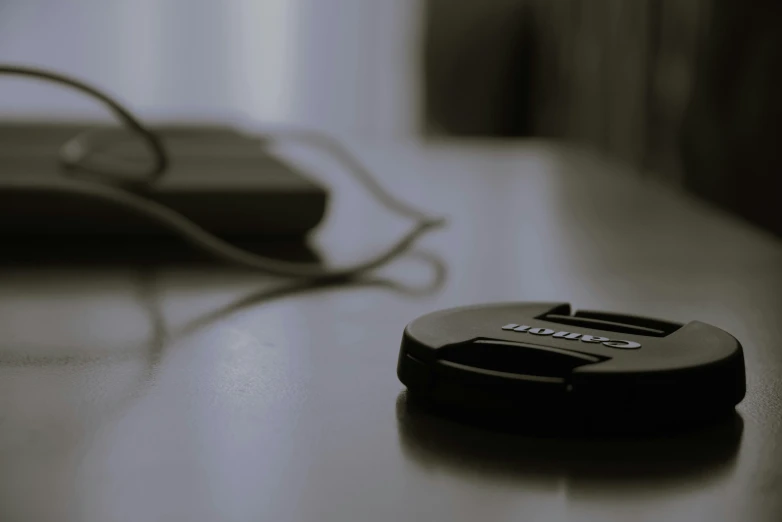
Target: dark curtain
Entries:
(731, 133)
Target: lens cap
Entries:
(539, 360)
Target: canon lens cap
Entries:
(527, 359)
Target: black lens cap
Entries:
(540, 361)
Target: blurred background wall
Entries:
(348, 66)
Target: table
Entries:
(137, 391)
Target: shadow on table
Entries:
(593, 465)
(74, 361)
(268, 290)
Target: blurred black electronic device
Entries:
(219, 177)
(529, 361)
